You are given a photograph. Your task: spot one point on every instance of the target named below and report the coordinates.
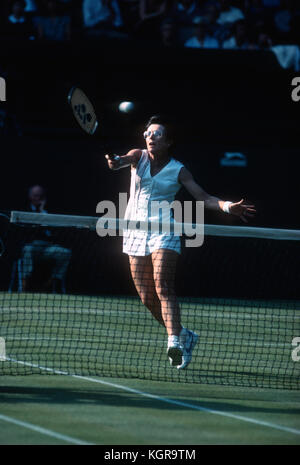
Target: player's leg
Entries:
(164, 269)
(181, 341)
(142, 274)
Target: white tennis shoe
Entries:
(174, 351)
(188, 339)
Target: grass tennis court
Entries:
(241, 343)
(95, 413)
(111, 341)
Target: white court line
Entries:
(217, 315)
(165, 399)
(254, 343)
(212, 313)
(194, 407)
(45, 431)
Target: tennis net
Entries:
(68, 305)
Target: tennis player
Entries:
(157, 176)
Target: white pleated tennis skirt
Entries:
(141, 243)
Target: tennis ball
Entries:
(126, 107)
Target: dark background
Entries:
(220, 101)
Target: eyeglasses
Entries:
(157, 134)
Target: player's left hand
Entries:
(242, 210)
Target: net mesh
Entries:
(69, 304)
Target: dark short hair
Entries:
(30, 189)
(165, 122)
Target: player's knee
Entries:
(164, 291)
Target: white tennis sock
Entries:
(173, 340)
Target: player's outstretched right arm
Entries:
(116, 162)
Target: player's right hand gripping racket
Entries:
(83, 110)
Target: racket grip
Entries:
(111, 156)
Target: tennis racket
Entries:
(83, 110)
(85, 115)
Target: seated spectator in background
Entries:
(287, 54)
(264, 41)
(201, 38)
(101, 16)
(184, 12)
(169, 33)
(151, 13)
(52, 25)
(228, 13)
(284, 21)
(42, 248)
(211, 14)
(31, 6)
(19, 25)
(239, 39)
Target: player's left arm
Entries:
(240, 209)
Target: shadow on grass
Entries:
(92, 397)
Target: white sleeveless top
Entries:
(144, 189)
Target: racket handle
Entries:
(111, 156)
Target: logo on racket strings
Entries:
(82, 114)
(2, 90)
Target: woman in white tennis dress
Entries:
(157, 177)
(148, 186)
